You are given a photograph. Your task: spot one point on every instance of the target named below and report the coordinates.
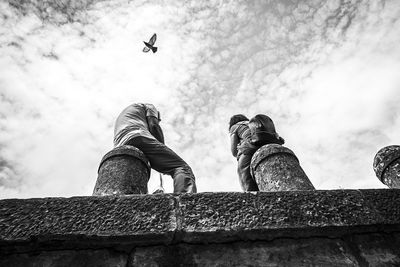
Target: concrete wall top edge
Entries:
(201, 217)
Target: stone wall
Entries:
(294, 228)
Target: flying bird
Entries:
(150, 45)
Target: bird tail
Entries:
(154, 49)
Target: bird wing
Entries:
(146, 49)
(153, 39)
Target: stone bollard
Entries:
(122, 171)
(276, 168)
(387, 166)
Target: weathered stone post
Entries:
(387, 166)
(122, 171)
(276, 168)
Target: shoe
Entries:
(159, 190)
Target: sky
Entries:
(326, 71)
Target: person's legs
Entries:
(247, 182)
(165, 160)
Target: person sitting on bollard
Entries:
(138, 126)
(240, 136)
(246, 138)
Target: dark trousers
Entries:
(165, 160)
(246, 151)
(247, 182)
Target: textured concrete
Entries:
(385, 203)
(387, 166)
(122, 171)
(377, 249)
(276, 168)
(220, 217)
(351, 250)
(293, 228)
(367, 249)
(282, 252)
(86, 221)
(217, 217)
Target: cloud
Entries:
(325, 71)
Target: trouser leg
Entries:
(165, 160)
(247, 182)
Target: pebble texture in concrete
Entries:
(77, 220)
(218, 217)
(122, 171)
(276, 168)
(296, 228)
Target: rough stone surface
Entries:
(86, 221)
(122, 171)
(385, 203)
(293, 228)
(281, 252)
(217, 216)
(221, 217)
(367, 249)
(377, 249)
(276, 168)
(387, 166)
(322, 208)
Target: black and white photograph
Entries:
(199, 133)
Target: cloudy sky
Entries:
(326, 71)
